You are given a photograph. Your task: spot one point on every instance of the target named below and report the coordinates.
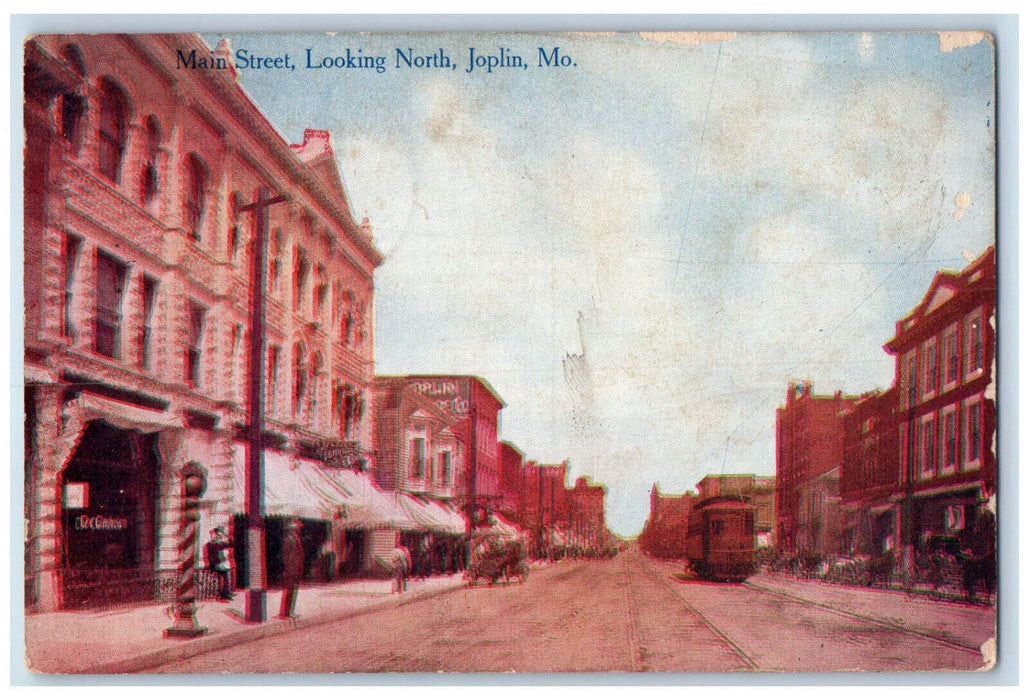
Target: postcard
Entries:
(578, 352)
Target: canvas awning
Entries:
(368, 507)
(122, 415)
(303, 488)
(87, 407)
(432, 515)
(501, 527)
(286, 493)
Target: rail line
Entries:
(632, 620)
(868, 618)
(692, 610)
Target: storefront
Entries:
(107, 474)
(345, 519)
(947, 515)
(109, 498)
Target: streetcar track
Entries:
(960, 646)
(944, 641)
(690, 608)
(632, 620)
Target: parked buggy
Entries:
(494, 558)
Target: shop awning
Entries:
(432, 515)
(122, 415)
(501, 527)
(303, 488)
(286, 493)
(368, 507)
(88, 407)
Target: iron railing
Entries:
(106, 589)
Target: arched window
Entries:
(299, 377)
(235, 225)
(113, 119)
(149, 179)
(317, 367)
(196, 184)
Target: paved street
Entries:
(630, 614)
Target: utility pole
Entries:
(256, 570)
(539, 503)
(550, 533)
(472, 466)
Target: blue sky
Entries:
(690, 221)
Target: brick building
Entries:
(586, 522)
(946, 415)
(920, 462)
(544, 503)
(664, 532)
(809, 447)
(137, 276)
(870, 475)
(474, 409)
(512, 464)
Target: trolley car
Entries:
(720, 539)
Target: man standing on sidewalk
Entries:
(292, 567)
(217, 560)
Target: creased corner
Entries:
(989, 650)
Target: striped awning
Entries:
(432, 515)
(303, 488)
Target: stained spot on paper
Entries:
(959, 40)
(962, 201)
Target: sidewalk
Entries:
(132, 640)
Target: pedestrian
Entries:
(327, 558)
(216, 559)
(400, 562)
(292, 567)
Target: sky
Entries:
(640, 250)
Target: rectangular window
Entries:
(272, 381)
(149, 299)
(110, 286)
(418, 458)
(912, 380)
(301, 269)
(929, 363)
(275, 260)
(928, 448)
(320, 298)
(194, 349)
(952, 358)
(950, 441)
(72, 246)
(973, 434)
(444, 469)
(974, 344)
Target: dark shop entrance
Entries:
(109, 529)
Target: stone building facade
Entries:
(137, 289)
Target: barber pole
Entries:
(185, 613)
